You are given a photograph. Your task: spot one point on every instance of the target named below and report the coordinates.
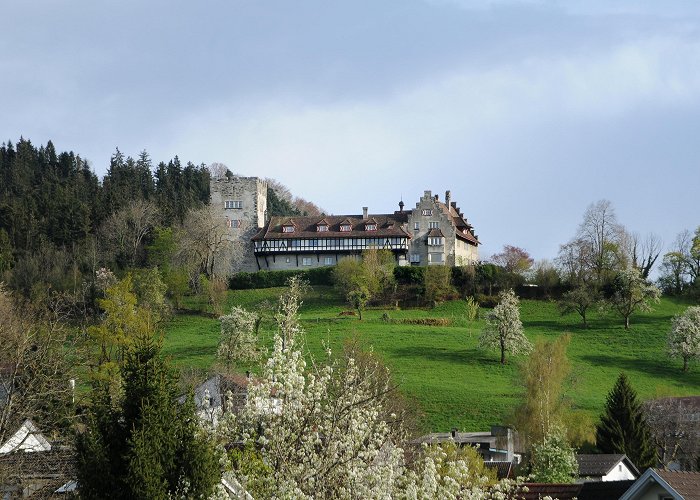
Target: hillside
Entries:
(454, 383)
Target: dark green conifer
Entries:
(623, 429)
(144, 443)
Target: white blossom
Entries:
(684, 337)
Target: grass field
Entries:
(440, 368)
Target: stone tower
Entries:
(242, 202)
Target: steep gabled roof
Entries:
(305, 227)
(592, 465)
(679, 485)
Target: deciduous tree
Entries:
(553, 459)
(684, 336)
(632, 293)
(238, 341)
(504, 330)
(580, 299)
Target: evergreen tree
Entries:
(623, 428)
(141, 442)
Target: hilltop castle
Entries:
(433, 233)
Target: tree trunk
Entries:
(583, 315)
(503, 353)
(685, 364)
(627, 322)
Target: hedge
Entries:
(270, 279)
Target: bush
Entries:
(425, 321)
(489, 301)
(409, 275)
(269, 279)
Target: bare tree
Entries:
(605, 236)
(217, 170)
(204, 243)
(675, 430)
(645, 252)
(35, 361)
(125, 230)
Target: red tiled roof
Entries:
(387, 225)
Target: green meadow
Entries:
(440, 369)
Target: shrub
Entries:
(489, 301)
(409, 275)
(269, 279)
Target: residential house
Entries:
(657, 484)
(605, 467)
(31, 466)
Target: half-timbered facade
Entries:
(433, 233)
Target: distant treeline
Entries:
(55, 211)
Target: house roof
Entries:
(535, 491)
(602, 464)
(306, 227)
(685, 483)
(27, 438)
(595, 490)
(680, 485)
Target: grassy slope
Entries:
(454, 383)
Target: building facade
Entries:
(435, 232)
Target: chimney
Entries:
(447, 197)
(364, 212)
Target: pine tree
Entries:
(143, 443)
(623, 429)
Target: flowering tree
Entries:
(553, 459)
(684, 337)
(632, 293)
(238, 341)
(504, 330)
(320, 432)
(325, 431)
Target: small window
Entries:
(427, 211)
(370, 227)
(234, 223)
(288, 260)
(414, 257)
(345, 228)
(321, 228)
(435, 241)
(287, 229)
(306, 261)
(416, 226)
(328, 261)
(228, 204)
(433, 225)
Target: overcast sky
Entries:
(528, 111)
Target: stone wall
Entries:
(242, 201)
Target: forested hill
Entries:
(53, 208)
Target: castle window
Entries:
(228, 204)
(345, 228)
(416, 226)
(435, 241)
(233, 223)
(370, 227)
(287, 229)
(433, 225)
(435, 257)
(414, 258)
(328, 261)
(321, 228)
(427, 211)
(306, 261)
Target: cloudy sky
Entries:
(528, 111)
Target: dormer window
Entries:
(370, 227)
(287, 229)
(322, 228)
(345, 228)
